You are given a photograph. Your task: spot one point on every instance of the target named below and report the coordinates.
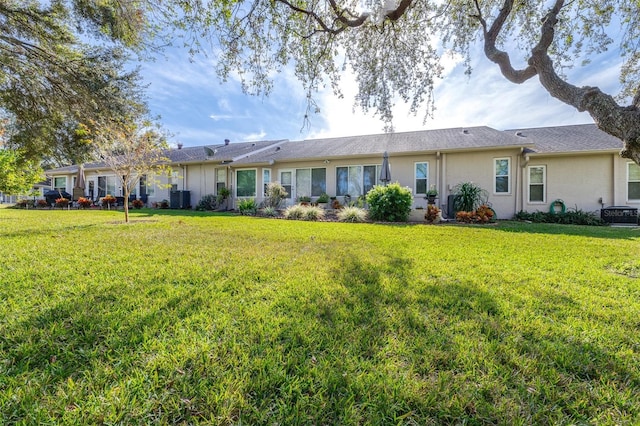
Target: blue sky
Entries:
(199, 110)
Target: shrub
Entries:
(432, 214)
(300, 212)
(247, 207)
(24, 203)
(352, 214)
(468, 197)
(295, 212)
(391, 203)
(62, 202)
(108, 200)
(208, 202)
(313, 213)
(483, 214)
(84, 202)
(274, 195)
(164, 204)
(269, 211)
(574, 216)
(42, 203)
(137, 203)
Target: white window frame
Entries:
(266, 180)
(543, 184)
(310, 169)
(61, 188)
(496, 176)
(255, 184)
(631, 181)
(415, 178)
(221, 171)
(290, 187)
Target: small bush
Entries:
(432, 214)
(208, 202)
(469, 196)
(300, 212)
(313, 213)
(62, 202)
(269, 211)
(84, 203)
(573, 216)
(42, 203)
(352, 214)
(137, 203)
(483, 214)
(391, 203)
(274, 195)
(248, 207)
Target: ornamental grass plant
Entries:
(207, 318)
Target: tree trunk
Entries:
(126, 204)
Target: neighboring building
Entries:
(524, 169)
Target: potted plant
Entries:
(137, 203)
(83, 202)
(323, 200)
(108, 200)
(433, 214)
(62, 202)
(431, 195)
(304, 200)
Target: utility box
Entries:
(180, 200)
(620, 215)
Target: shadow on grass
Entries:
(380, 347)
(607, 232)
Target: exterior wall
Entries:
(585, 182)
(479, 167)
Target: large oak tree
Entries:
(394, 47)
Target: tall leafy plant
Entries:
(468, 197)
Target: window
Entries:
(311, 182)
(633, 181)
(147, 186)
(246, 183)
(106, 185)
(266, 179)
(371, 176)
(221, 179)
(422, 178)
(502, 173)
(537, 182)
(60, 183)
(349, 181)
(285, 181)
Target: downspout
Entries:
(438, 177)
(614, 201)
(443, 183)
(523, 180)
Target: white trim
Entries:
(495, 176)
(255, 184)
(415, 178)
(544, 184)
(630, 200)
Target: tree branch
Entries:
(497, 56)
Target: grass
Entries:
(196, 318)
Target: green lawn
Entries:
(188, 318)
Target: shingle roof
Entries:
(568, 139)
(394, 143)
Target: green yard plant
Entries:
(390, 203)
(201, 318)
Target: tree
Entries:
(395, 47)
(50, 80)
(131, 150)
(18, 175)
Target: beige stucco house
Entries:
(524, 169)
